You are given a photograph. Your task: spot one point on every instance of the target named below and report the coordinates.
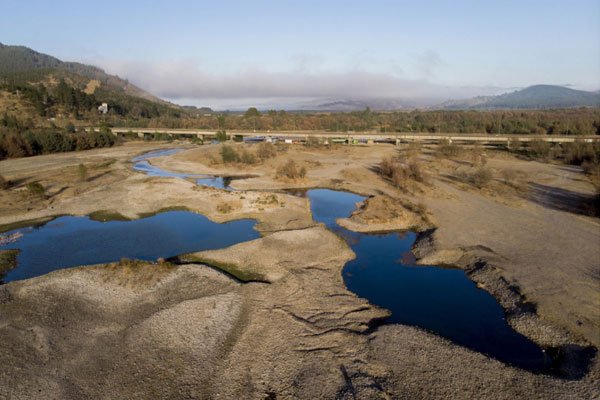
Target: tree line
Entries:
(43, 141)
(581, 121)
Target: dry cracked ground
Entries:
(186, 330)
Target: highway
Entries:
(362, 137)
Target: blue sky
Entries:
(230, 52)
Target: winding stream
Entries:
(441, 300)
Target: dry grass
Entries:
(402, 174)
(136, 273)
(290, 170)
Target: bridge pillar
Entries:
(141, 135)
(397, 142)
(370, 141)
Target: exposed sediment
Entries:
(136, 330)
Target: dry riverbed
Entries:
(140, 330)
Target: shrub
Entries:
(514, 144)
(82, 172)
(224, 208)
(538, 148)
(481, 177)
(266, 150)
(400, 174)
(291, 171)
(414, 171)
(221, 136)
(386, 167)
(478, 156)
(247, 157)
(70, 128)
(229, 155)
(580, 152)
(4, 183)
(414, 149)
(448, 149)
(36, 190)
(312, 141)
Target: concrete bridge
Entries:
(357, 137)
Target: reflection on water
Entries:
(71, 241)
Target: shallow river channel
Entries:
(441, 300)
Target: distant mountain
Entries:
(538, 96)
(379, 104)
(22, 64)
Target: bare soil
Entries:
(135, 330)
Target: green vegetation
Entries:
(229, 155)
(36, 190)
(8, 260)
(107, 215)
(221, 136)
(31, 142)
(35, 222)
(82, 173)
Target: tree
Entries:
(82, 173)
(252, 112)
(221, 136)
(228, 154)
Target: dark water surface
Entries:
(441, 300)
(72, 241)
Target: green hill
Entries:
(532, 97)
(40, 78)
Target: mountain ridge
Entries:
(539, 96)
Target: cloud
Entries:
(427, 62)
(185, 80)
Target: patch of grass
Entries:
(82, 173)
(224, 208)
(8, 260)
(36, 189)
(107, 215)
(162, 210)
(135, 273)
(26, 223)
(229, 268)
